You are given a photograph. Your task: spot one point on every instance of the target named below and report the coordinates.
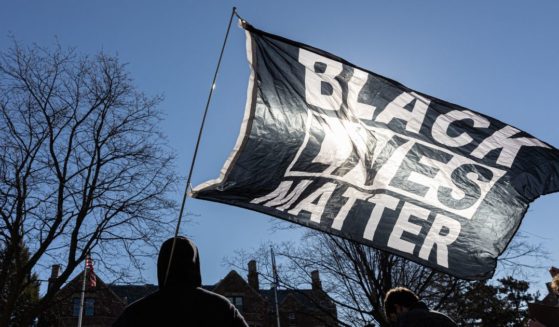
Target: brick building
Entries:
(101, 304)
(104, 303)
(302, 307)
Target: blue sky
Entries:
(500, 58)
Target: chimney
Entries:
(253, 275)
(55, 270)
(316, 284)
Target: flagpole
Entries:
(185, 195)
(276, 282)
(82, 297)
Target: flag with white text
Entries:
(334, 147)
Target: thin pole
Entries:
(82, 297)
(276, 283)
(185, 195)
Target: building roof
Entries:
(307, 298)
(132, 293)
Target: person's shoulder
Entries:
(145, 301)
(207, 295)
(222, 310)
(136, 311)
(426, 318)
(443, 319)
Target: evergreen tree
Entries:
(29, 289)
(502, 304)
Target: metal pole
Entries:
(277, 305)
(82, 298)
(185, 195)
(276, 282)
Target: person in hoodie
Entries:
(404, 309)
(180, 301)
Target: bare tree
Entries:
(522, 256)
(357, 277)
(83, 167)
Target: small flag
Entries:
(91, 278)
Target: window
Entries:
(291, 318)
(88, 307)
(76, 306)
(237, 301)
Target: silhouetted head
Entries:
(399, 300)
(185, 265)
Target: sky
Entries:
(500, 58)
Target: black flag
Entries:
(337, 148)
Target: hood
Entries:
(185, 264)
